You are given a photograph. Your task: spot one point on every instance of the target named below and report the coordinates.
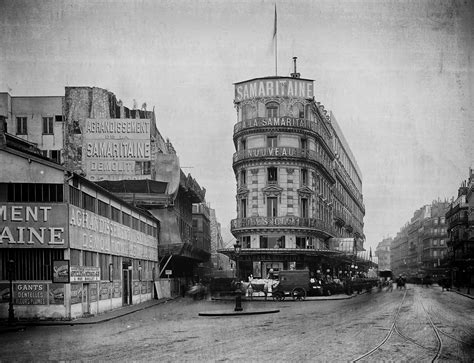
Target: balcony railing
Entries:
(286, 221)
(282, 152)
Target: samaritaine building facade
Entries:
(299, 189)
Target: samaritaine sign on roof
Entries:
(274, 87)
(112, 148)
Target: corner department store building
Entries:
(299, 189)
(75, 248)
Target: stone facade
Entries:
(298, 184)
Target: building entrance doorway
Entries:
(86, 305)
(126, 286)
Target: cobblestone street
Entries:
(331, 330)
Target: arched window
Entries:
(246, 112)
(272, 109)
(298, 110)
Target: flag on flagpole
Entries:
(275, 24)
(275, 39)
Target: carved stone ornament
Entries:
(272, 191)
(242, 192)
(290, 170)
(305, 192)
(254, 171)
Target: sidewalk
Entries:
(94, 319)
(287, 298)
(464, 291)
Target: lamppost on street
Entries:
(11, 312)
(238, 292)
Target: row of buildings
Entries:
(438, 241)
(96, 212)
(299, 194)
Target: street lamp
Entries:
(238, 292)
(11, 312)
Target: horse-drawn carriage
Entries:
(293, 283)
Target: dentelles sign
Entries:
(111, 147)
(279, 87)
(33, 226)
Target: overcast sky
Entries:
(398, 76)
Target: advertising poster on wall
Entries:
(4, 292)
(117, 290)
(61, 271)
(76, 293)
(84, 273)
(56, 294)
(136, 288)
(93, 292)
(105, 290)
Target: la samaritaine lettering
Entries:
(28, 234)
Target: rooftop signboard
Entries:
(274, 87)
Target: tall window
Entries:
(272, 175)
(300, 242)
(304, 176)
(263, 242)
(21, 128)
(243, 144)
(246, 242)
(88, 202)
(272, 207)
(304, 208)
(272, 109)
(246, 112)
(48, 125)
(243, 208)
(271, 141)
(304, 143)
(298, 110)
(243, 177)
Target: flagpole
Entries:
(275, 34)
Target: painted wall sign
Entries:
(89, 231)
(111, 147)
(29, 293)
(277, 87)
(85, 273)
(33, 225)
